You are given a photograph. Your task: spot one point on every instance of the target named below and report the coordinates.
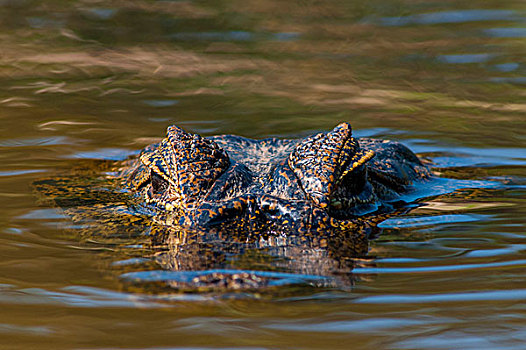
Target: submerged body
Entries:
(316, 184)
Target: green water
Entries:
(85, 81)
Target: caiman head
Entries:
(317, 183)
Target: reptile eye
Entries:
(159, 184)
(354, 181)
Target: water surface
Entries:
(87, 83)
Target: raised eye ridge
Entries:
(321, 160)
(188, 162)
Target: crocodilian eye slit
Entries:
(354, 177)
(159, 185)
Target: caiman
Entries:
(316, 184)
(230, 212)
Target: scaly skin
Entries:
(318, 184)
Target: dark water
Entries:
(88, 81)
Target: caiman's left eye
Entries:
(159, 185)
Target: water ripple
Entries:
(78, 296)
(506, 32)
(466, 58)
(43, 214)
(42, 22)
(440, 186)
(11, 328)
(446, 268)
(235, 35)
(132, 261)
(20, 172)
(160, 103)
(509, 80)
(103, 153)
(434, 220)
(453, 339)
(507, 67)
(39, 141)
(373, 325)
(457, 156)
(461, 16)
(492, 295)
(101, 13)
(276, 278)
(486, 253)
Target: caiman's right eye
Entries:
(159, 185)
